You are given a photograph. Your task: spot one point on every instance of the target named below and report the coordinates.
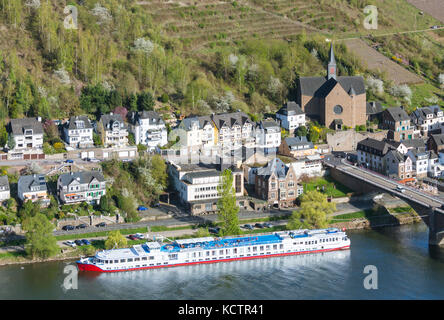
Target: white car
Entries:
(139, 236)
(93, 160)
(71, 243)
(400, 188)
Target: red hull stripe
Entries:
(90, 267)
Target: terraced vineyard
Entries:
(210, 20)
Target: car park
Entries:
(68, 227)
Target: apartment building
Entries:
(397, 165)
(371, 153)
(112, 130)
(420, 162)
(268, 136)
(198, 132)
(83, 186)
(428, 119)
(197, 186)
(149, 129)
(28, 137)
(234, 130)
(78, 132)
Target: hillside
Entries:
(197, 56)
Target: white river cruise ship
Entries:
(210, 250)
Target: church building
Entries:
(334, 101)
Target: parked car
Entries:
(86, 242)
(68, 227)
(259, 225)
(93, 160)
(133, 237)
(268, 225)
(156, 205)
(214, 230)
(101, 224)
(69, 161)
(142, 208)
(81, 226)
(139, 236)
(78, 242)
(248, 226)
(70, 243)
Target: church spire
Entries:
(331, 69)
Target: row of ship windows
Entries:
(221, 252)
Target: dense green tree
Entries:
(40, 242)
(3, 136)
(145, 101)
(115, 240)
(301, 131)
(313, 212)
(226, 205)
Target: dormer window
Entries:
(80, 124)
(28, 132)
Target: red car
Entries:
(132, 237)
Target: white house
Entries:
(291, 116)
(268, 136)
(427, 119)
(420, 162)
(78, 132)
(28, 137)
(149, 129)
(196, 132)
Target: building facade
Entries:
(397, 122)
(428, 119)
(291, 117)
(234, 130)
(149, 129)
(335, 101)
(277, 184)
(268, 136)
(112, 130)
(297, 147)
(81, 186)
(33, 188)
(28, 138)
(78, 132)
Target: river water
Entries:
(406, 269)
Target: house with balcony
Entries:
(291, 117)
(5, 193)
(33, 188)
(78, 132)
(83, 186)
(112, 130)
(234, 130)
(196, 132)
(268, 136)
(149, 129)
(398, 124)
(28, 137)
(428, 120)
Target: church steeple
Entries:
(331, 69)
